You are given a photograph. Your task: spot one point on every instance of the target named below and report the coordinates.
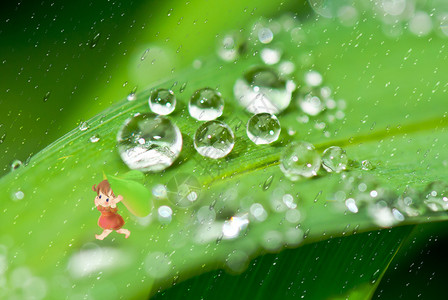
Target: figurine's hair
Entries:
(103, 187)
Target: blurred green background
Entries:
(64, 62)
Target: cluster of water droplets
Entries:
(383, 205)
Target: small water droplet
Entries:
(19, 195)
(334, 159)
(367, 165)
(95, 40)
(265, 35)
(84, 126)
(299, 159)
(182, 87)
(268, 182)
(15, 165)
(162, 101)
(94, 139)
(214, 139)
(149, 142)
(206, 104)
(262, 90)
(47, 95)
(263, 128)
(164, 214)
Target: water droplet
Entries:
(231, 46)
(214, 139)
(132, 96)
(164, 214)
(47, 95)
(265, 35)
(299, 159)
(149, 143)
(367, 165)
(182, 87)
(268, 182)
(262, 90)
(382, 214)
(334, 159)
(183, 190)
(232, 228)
(311, 101)
(258, 212)
(313, 78)
(157, 264)
(162, 101)
(263, 128)
(19, 195)
(95, 40)
(270, 56)
(84, 126)
(15, 165)
(94, 139)
(436, 196)
(206, 104)
(159, 191)
(350, 203)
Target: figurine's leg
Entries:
(104, 234)
(124, 231)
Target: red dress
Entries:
(109, 218)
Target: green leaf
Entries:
(136, 197)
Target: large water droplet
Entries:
(149, 143)
(367, 165)
(410, 203)
(299, 159)
(232, 227)
(334, 159)
(206, 104)
(164, 214)
(262, 90)
(263, 128)
(214, 139)
(162, 101)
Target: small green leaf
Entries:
(136, 197)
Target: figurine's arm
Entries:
(115, 201)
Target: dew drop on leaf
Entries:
(263, 128)
(334, 159)
(149, 143)
(214, 139)
(206, 104)
(162, 101)
(299, 159)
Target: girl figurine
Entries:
(106, 203)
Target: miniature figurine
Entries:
(106, 203)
